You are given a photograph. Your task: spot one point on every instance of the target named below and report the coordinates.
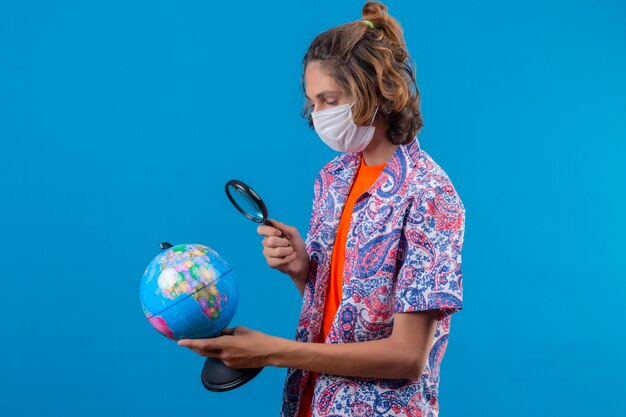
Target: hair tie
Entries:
(367, 22)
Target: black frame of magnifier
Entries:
(255, 197)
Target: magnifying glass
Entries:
(248, 202)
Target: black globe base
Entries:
(218, 377)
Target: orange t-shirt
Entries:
(366, 176)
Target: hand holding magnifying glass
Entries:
(290, 257)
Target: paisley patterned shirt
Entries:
(403, 254)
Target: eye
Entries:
(332, 103)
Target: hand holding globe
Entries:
(238, 347)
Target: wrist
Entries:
(303, 274)
(301, 278)
(282, 350)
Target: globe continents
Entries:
(188, 291)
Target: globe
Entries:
(189, 291)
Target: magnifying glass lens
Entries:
(246, 203)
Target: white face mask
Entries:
(337, 129)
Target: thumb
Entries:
(287, 230)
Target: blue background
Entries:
(120, 122)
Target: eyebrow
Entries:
(325, 93)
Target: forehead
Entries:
(317, 80)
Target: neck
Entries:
(379, 150)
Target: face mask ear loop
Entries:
(374, 116)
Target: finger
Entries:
(198, 351)
(278, 225)
(228, 331)
(281, 252)
(280, 260)
(207, 344)
(210, 352)
(274, 262)
(203, 347)
(285, 228)
(276, 241)
(268, 230)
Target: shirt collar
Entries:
(390, 181)
(409, 152)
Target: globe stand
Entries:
(218, 377)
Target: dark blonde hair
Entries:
(374, 66)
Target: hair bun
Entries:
(378, 14)
(374, 11)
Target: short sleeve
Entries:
(429, 253)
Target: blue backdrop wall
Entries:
(121, 121)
